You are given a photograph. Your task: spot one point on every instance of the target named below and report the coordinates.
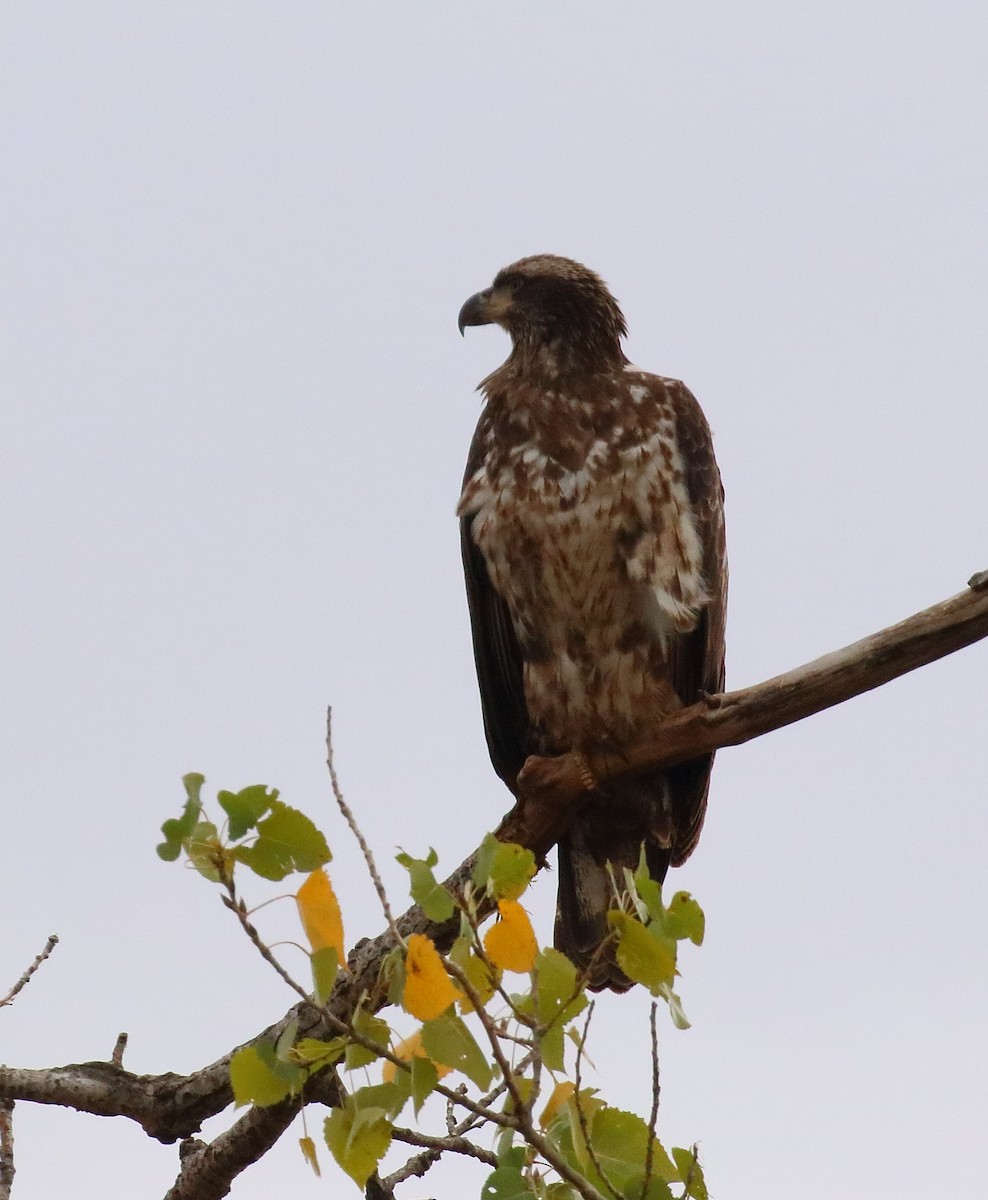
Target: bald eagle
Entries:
(592, 527)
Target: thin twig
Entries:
(118, 1050)
(688, 1181)
(6, 1148)
(493, 1036)
(239, 910)
(351, 820)
(25, 978)
(654, 1114)
(453, 1143)
(582, 1116)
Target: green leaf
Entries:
(557, 1001)
(287, 841)
(676, 1010)
(388, 1097)
(689, 1169)
(371, 1027)
(657, 1189)
(177, 829)
(283, 1046)
(475, 969)
(245, 808)
(563, 1191)
(424, 1079)
(644, 954)
(507, 1181)
(325, 965)
(257, 1077)
(650, 894)
(316, 1054)
(567, 1129)
(620, 1141)
(358, 1139)
(393, 972)
(684, 919)
(427, 892)
(505, 869)
(205, 851)
(448, 1041)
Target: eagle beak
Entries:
(474, 312)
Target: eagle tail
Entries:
(607, 838)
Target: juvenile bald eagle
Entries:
(593, 541)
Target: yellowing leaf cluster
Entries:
(429, 991)
(511, 944)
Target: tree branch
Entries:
(550, 787)
(171, 1106)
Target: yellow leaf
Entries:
(320, 913)
(429, 991)
(308, 1147)
(560, 1094)
(511, 944)
(410, 1048)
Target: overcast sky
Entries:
(235, 413)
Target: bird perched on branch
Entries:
(593, 543)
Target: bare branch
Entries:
(208, 1173)
(654, 1114)
(25, 978)
(452, 1143)
(171, 1107)
(351, 820)
(580, 1112)
(550, 788)
(6, 1148)
(118, 1050)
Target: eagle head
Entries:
(548, 302)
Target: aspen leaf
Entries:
(358, 1139)
(410, 1050)
(320, 913)
(507, 1181)
(287, 841)
(308, 1148)
(425, 1076)
(372, 1027)
(447, 1040)
(476, 970)
(207, 853)
(511, 944)
(645, 955)
(246, 807)
(388, 1098)
(689, 1169)
(505, 869)
(325, 965)
(685, 919)
(554, 1105)
(434, 900)
(429, 991)
(316, 1054)
(557, 1001)
(177, 829)
(257, 1077)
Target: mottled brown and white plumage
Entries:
(593, 543)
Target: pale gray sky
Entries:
(235, 239)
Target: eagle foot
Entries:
(550, 792)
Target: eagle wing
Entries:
(696, 659)
(495, 648)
